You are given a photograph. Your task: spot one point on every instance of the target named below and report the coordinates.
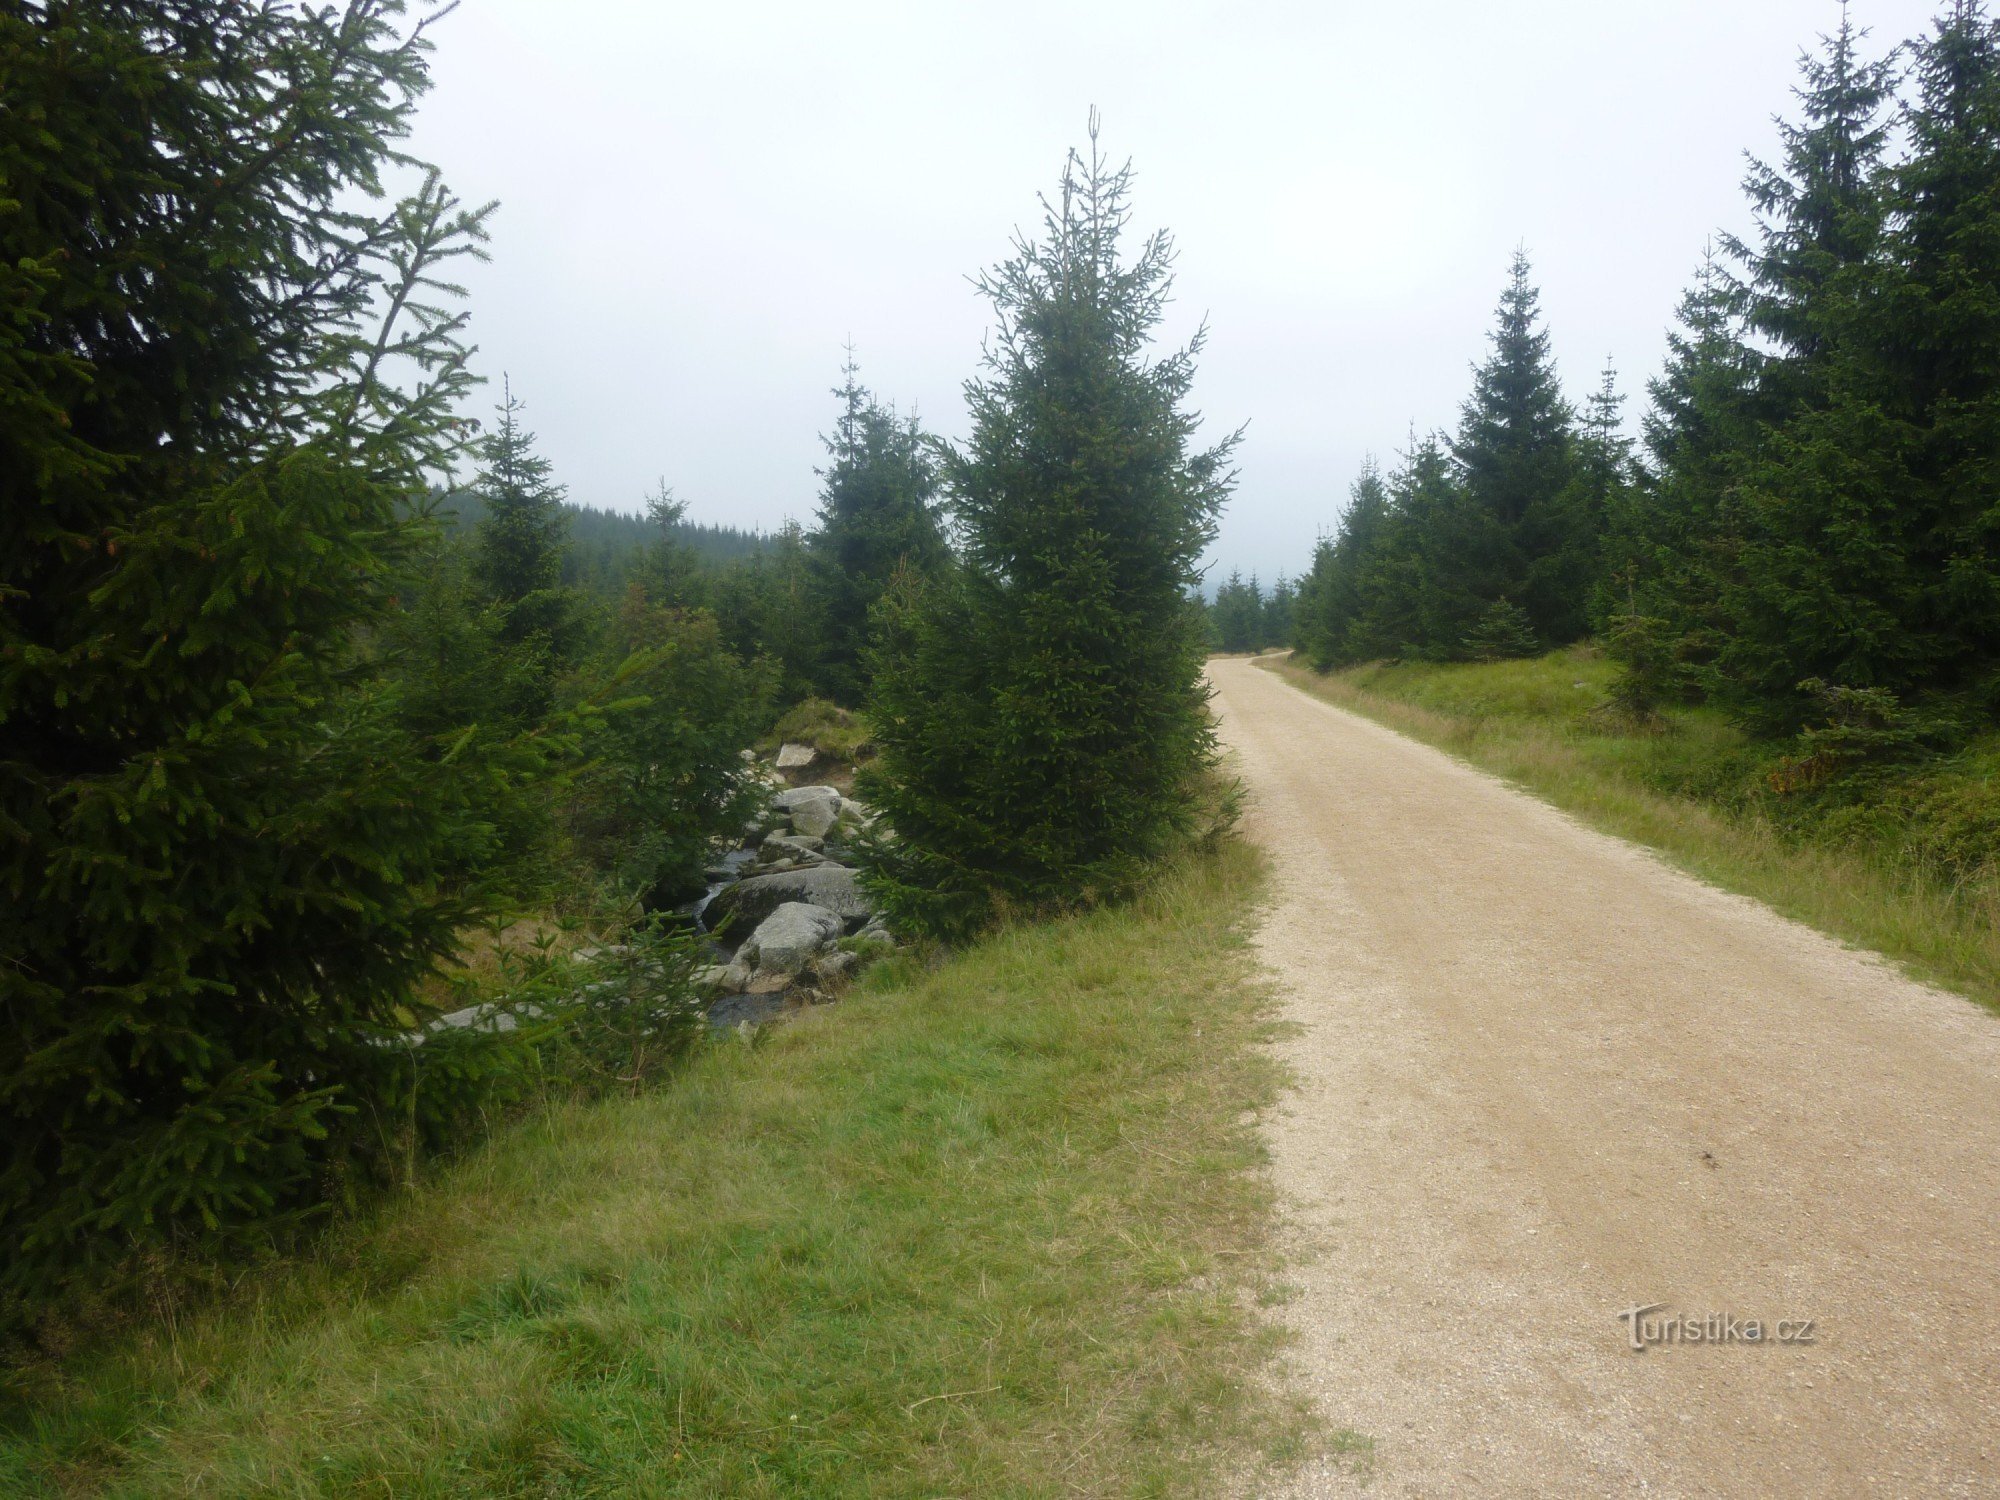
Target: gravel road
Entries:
(1543, 1078)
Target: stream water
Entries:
(726, 1011)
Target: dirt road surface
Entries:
(1543, 1078)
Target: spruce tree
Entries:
(670, 571)
(1445, 559)
(1316, 630)
(1604, 451)
(228, 853)
(1237, 613)
(1606, 471)
(1516, 450)
(1041, 713)
(1335, 622)
(1818, 215)
(877, 515)
(1672, 544)
(665, 780)
(1501, 633)
(519, 547)
(1280, 608)
(1868, 559)
(521, 539)
(1698, 425)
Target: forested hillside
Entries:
(603, 547)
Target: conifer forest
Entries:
(382, 805)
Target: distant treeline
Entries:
(604, 545)
(1810, 534)
(1243, 616)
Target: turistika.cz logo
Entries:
(1655, 1324)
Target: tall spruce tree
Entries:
(1041, 715)
(519, 546)
(1336, 623)
(1673, 544)
(1606, 470)
(1868, 559)
(226, 854)
(877, 515)
(1280, 613)
(1604, 450)
(1932, 342)
(1516, 450)
(1819, 214)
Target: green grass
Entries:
(995, 1227)
(838, 733)
(1905, 864)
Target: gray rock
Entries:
(813, 809)
(796, 757)
(798, 849)
(798, 841)
(746, 903)
(835, 968)
(790, 937)
(492, 1016)
(792, 795)
(723, 979)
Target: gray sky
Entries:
(700, 204)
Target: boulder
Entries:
(746, 903)
(477, 1018)
(796, 840)
(723, 979)
(787, 940)
(792, 795)
(813, 809)
(796, 757)
(794, 847)
(837, 967)
(497, 1016)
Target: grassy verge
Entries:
(991, 1228)
(1910, 867)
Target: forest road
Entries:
(1542, 1078)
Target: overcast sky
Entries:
(701, 204)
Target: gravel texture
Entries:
(1543, 1077)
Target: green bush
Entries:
(665, 777)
